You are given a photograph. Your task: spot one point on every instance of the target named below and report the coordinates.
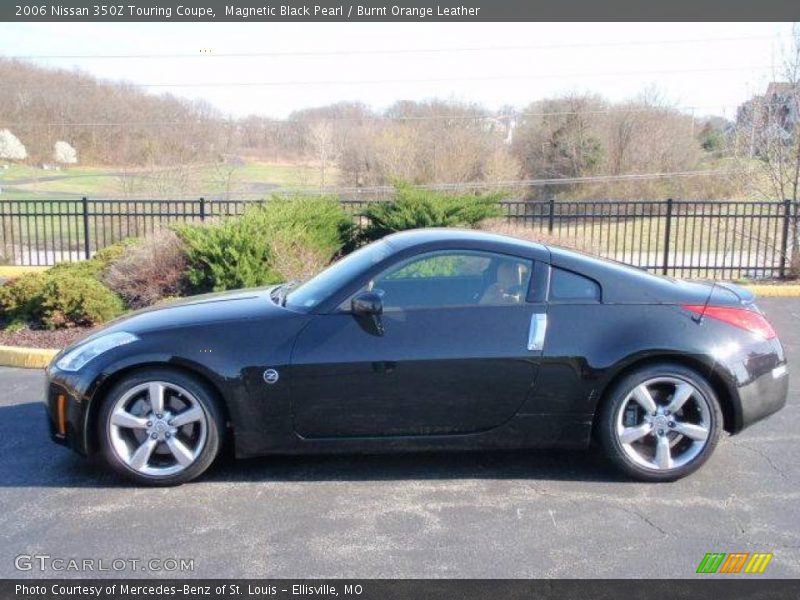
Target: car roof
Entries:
(470, 237)
(623, 283)
(620, 283)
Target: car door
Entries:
(454, 352)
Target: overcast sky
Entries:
(712, 66)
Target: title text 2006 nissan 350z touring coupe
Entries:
(428, 339)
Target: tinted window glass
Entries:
(443, 265)
(315, 290)
(565, 285)
(456, 278)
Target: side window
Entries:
(443, 265)
(566, 285)
(454, 278)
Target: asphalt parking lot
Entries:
(490, 515)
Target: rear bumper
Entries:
(763, 396)
(757, 378)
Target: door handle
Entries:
(537, 331)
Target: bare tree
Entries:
(128, 182)
(322, 140)
(226, 174)
(780, 137)
(559, 137)
(775, 129)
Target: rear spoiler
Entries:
(744, 295)
(727, 294)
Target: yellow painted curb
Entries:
(16, 271)
(765, 291)
(27, 358)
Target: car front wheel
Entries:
(660, 423)
(160, 427)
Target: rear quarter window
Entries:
(566, 285)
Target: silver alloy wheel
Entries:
(158, 428)
(663, 423)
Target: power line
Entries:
(388, 51)
(331, 82)
(298, 83)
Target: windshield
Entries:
(317, 289)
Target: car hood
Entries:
(195, 311)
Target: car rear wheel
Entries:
(660, 423)
(160, 427)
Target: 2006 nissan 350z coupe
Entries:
(428, 339)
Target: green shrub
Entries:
(96, 266)
(239, 252)
(69, 300)
(107, 256)
(295, 259)
(321, 223)
(415, 208)
(58, 298)
(226, 255)
(21, 299)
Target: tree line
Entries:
(420, 142)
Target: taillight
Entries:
(738, 317)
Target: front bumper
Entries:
(67, 410)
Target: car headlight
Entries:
(75, 359)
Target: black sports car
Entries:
(428, 339)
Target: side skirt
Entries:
(523, 431)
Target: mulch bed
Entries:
(41, 338)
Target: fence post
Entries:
(202, 209)
(552, 215)
(787, 218)
(667, 233)
(86, 246)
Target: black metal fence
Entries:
(715, 239)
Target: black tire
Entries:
(204, 396)
(609, 416)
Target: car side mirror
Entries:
(367, 304)
(367, 308)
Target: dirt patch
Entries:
(40, 338)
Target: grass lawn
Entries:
(252, 180)
(257, 179)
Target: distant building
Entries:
(772, 115)
(503, 125)
(782, 105)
